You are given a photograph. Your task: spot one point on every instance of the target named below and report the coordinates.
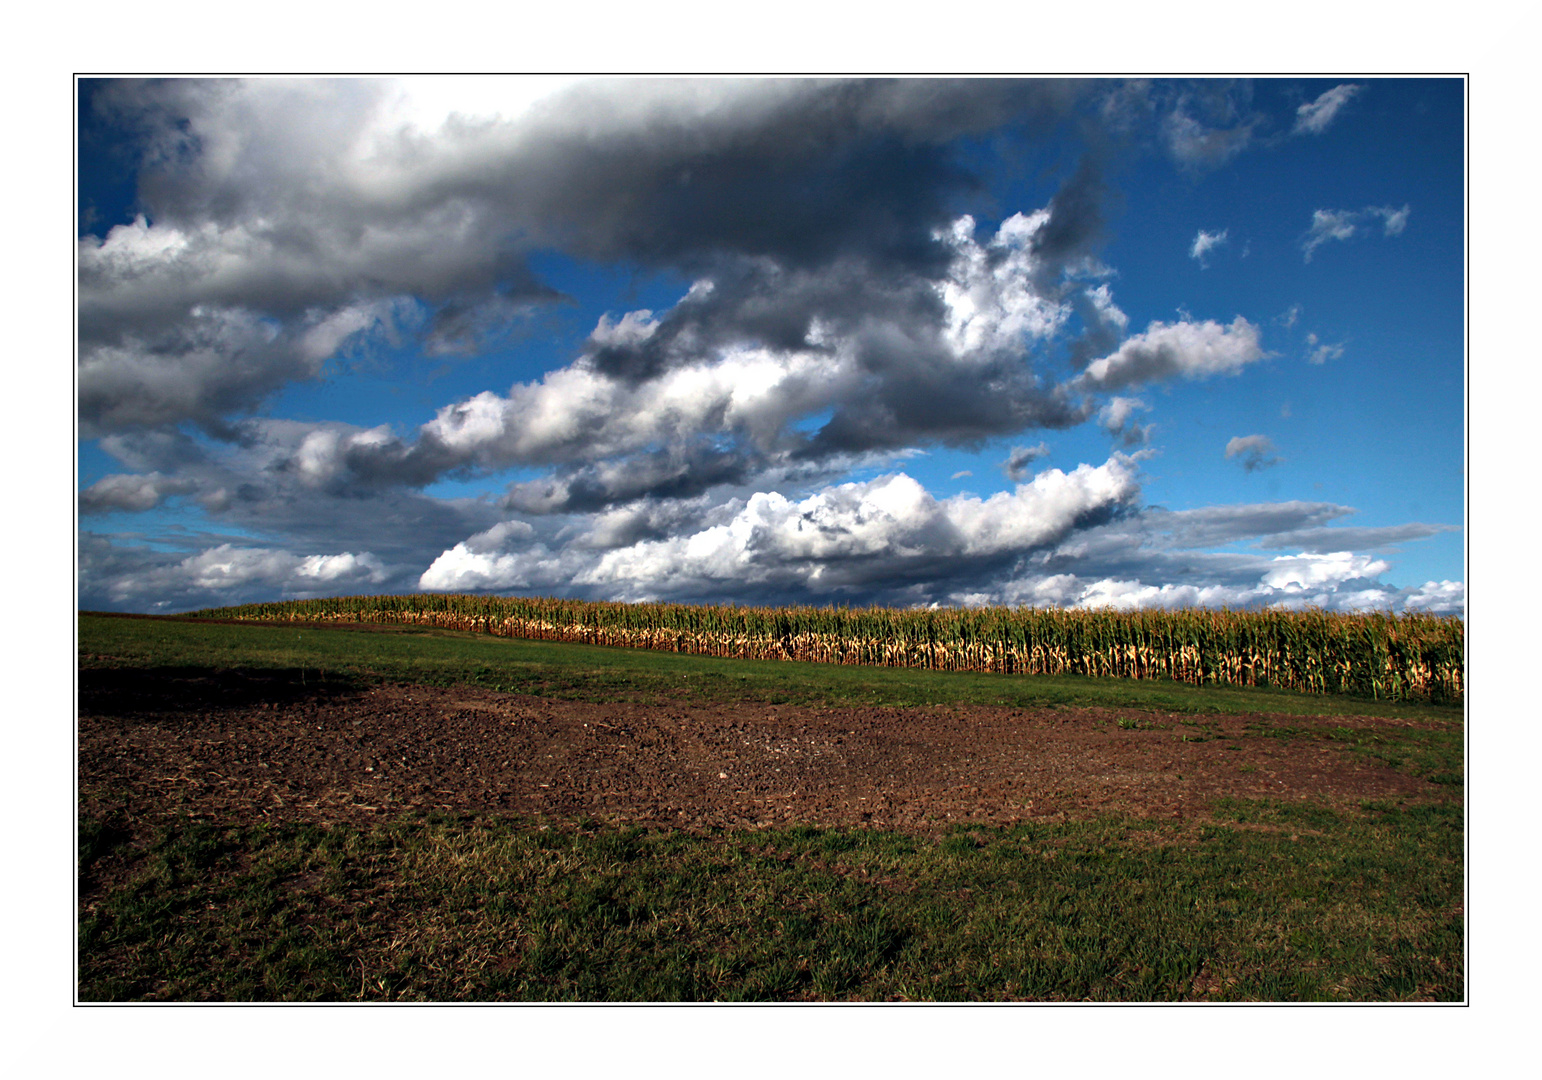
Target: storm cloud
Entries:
(284, 218)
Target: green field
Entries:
(1259, 901)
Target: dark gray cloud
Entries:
(132, 492)
(1018, 464)
(1214, 526)
(118, 576)
(275, 206)
(1076, 220)
(278, 483)
(1351, 538)
(754, 303)
(921, 401)
(661, 474)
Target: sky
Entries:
(1126, 343)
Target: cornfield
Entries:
(1378, 655)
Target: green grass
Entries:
(1271, 902)
(598, 673)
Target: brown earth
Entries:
(238, 748)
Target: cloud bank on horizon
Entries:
(747, 340)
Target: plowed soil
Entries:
(239, 748)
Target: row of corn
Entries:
(1380, 655)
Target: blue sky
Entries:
(1128, 343)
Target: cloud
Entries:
(1204, 243)
(1329, 225)
(287, 481)
(1117, 416)
(1438, 598)
(134, 493)
(285, 218)
(1298, 581)
(1214, 526)
(1338, 582)
(1209, 125)
(1381, 537)
(1016, 466)
(275, 244)
(674, 473)
(715, 390)
(210, 362)
(140, 578)
(1256, 451)
(1346, 224)
(1393, 221)
(1150, 557)
(1188, 349)
(1314, 117)
(1322, 353)
(1068, 538)
(859, 539)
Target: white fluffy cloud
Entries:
(1339, 581)
(849, 537)
(1192, 350)
(1439, 597)
(994, 302)
(1309, 571)
(1077, 538)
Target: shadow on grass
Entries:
(126, 691)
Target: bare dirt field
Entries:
(237, 748)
